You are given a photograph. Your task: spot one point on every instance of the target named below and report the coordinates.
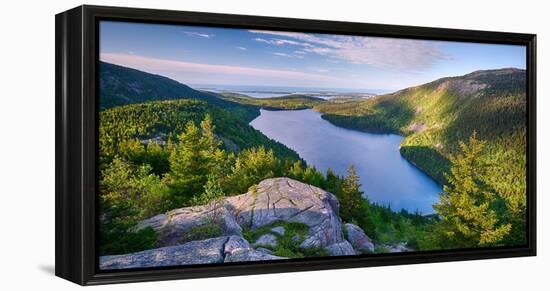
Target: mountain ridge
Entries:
(120, 85)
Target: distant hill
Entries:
(435, 116)
(122, 86)
(286, 102)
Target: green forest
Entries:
(287, 102)
(179, 149)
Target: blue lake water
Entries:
(386, 177)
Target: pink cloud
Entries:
(179, 69)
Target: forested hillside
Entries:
(435, 116)
(288, 102)
(121, 86)
(467, 132)
(147, 125)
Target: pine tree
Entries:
(313, 177)
(332, 182)
(296, 171)
(351, 197)
(252, 166)
(128, 193)
(208, 138)
(218, 161)
(188, 165)
(213, 195)
(466, 206)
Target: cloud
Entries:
(281, 54)
(280, 42)
(288, 55)
(258, 39)
(319, 70)
(241, 48)
(189, 72)
(381, 52)
(193, 33)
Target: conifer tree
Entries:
(213, 195)
(466, 206)
(313, 177)
(297, 170)
(188, 165)
(208, 138)
(252, 166)
(332, 182)
(350, 196)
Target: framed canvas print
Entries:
(197, 145)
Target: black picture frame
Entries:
(76, 107)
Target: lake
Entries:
(386, 177)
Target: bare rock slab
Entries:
(343, 248)
(358, 239)
(195, 252)
(285, 199)
(174, 226)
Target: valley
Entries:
(166, 146)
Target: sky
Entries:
(197, 56)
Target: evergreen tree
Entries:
(313, 177)
(213, 195)
(128, 194)
(351, 197)
(332, 182)
(208, 138)
(252, 166)
(157, 157)
(219, 163)
(466, 206)
(188, 165)
(296, 171)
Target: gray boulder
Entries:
(358, 239)
(343, 248)
(284, 199)
(195, 252)
(175, 226)
(214, 250)
(277, 199)
(398, 248)
(234, 244)
(250, 255)
(237, 249)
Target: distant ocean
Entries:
(276, 91)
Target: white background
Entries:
(27, 145)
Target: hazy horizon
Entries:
(377, 91)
